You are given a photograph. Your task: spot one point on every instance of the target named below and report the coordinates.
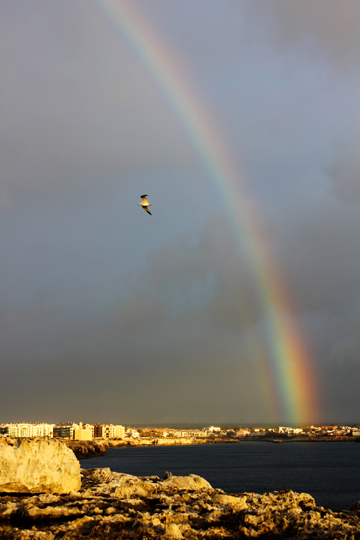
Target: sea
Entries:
(329, 471)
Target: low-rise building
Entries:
(83, 434)
(109, 431)
(290, 430)
(212, 429)
(242, 432)
(132, 433)
(64, 431)
(196, 433)
(119, 431)
(181, 433)
(30, 430)
(4, 430)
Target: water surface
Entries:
(329, 471)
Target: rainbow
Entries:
(288, 362)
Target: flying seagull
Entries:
(145, 204)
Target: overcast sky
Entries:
(108, 314)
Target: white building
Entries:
(30, 430)
(212, 429)
(180, 433)
(119, 431)
(242, 432)
(132, 433)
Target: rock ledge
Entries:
(120, 506)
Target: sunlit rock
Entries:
(190, 482)
(38, 466)
(115, 505)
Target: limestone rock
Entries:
(173, 532)
(114, 505)
(38, 466)
(236, 503)
(119, 485)
(192, 482)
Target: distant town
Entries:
(167, 436)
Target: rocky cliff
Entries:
(87, 449)
(37, 466)
(120, 506)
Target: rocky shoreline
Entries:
(87, 449)
(120, 506)
(44, 495)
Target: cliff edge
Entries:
(37, 466)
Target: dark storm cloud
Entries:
(157, 343)
(320, 263)
(186, 323)
(112, 315)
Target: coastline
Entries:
(115, 505)
(325, 470)
(101, 503)
(112, 443)
(98, 447)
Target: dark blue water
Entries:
(328, 471)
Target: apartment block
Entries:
(119, 431)
(30, 430)
(64, 431)
(108, 431)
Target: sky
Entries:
(111, 315)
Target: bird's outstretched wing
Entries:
(143, 197)
(147, 210)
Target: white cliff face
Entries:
(38, 466)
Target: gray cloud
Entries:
(67, 98)
(188, 321)
(109, 314)
(332, 28)
(157, 343)
(344, 169)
